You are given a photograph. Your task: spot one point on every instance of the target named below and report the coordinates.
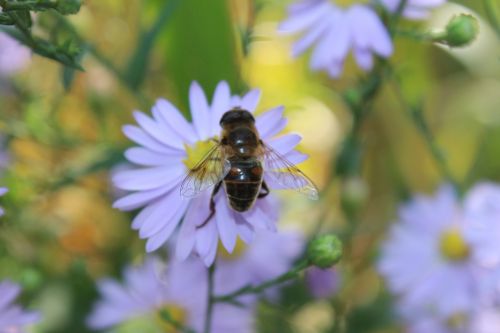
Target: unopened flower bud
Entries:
(460, 31)
(324, 251)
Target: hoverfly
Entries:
(238, 161)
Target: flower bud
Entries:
(460, 31)
(324, 251)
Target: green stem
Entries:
(210, 299)
(492, 15)
(417, 115)
(27, 5)
(292, 274)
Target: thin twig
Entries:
(292, 274)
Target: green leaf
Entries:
(201, 45)
(139, 61)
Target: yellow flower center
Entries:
(457, 321)
(197, 152)
(453, 246)
(170, 317)
(238, 251)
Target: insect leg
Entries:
(212, 205)
(265, 191)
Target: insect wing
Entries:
(287, 175)
(208, 172)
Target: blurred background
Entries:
(62, 139)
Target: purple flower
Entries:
(442, 259)
(13, 319)
(322, 283)
(169, 146)
(181, 290)
(13, 56)
(270, 255)
(333, 31)
(414, 9)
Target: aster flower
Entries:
(170, 146)
(441, 259)
(322, 283)
(270, 255)
(333, 31)
(13, 319)
(181, 290)
(414, 9)
(13, 56)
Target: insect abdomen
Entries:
(243, 183)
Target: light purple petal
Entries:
(251, 99)
(285, 143)
(226, 225)
(271, 122)
(167, 113)
(160, 133)
(379, 38)
(199, 111)
(187, 233)
(149, 178)
(146, 157)
(156, 241)
(161, 214)
(220, 104)
(363, 58)
(310, 36)
(138, 135)
(304, 19)
(139, 199)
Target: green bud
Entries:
(324, 251)
(68, 7)
(460, 31)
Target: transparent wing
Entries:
(286, 174)
(208, 172)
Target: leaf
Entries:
(138, 63)
(200, 45)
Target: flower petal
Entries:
(251, 99)
(285, 143)
(167, 113)
(363, 58)
(149, 178)
(220, 104)
(305, 18)
(310, 37)
(163, 135)
(156, 241)
(199, 111)
(226, 225)
(139, 136)
(139, 199)
(146, 157)
(271, 122)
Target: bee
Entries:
(237, 162)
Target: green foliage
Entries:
(200, 45)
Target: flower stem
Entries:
(210, 299)
(417, 115)
(291, 274)
(492, 16)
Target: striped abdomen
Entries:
(243, 183)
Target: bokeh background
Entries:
(62, 139)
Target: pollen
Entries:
(170, 317)
(196, 152)
(238, 251)
(453, 246)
